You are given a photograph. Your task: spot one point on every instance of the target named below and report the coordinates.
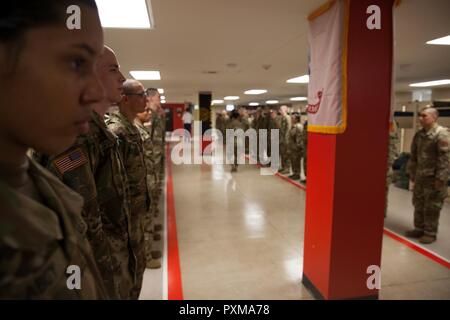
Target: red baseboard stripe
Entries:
(417, 248)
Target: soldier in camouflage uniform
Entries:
(152, 179)
(267, 122)
(255, 125)
(428, 169)
(243, 116)
(42, 232)
(157, 135)
(295, 146)
(392, 155)
(234, 124)
(305, 148)
(219, 124)
(226, 119)
(100, 178)
(121, 123)
(284, 125)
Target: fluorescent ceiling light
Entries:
(231, 98)
(161, 91)
(255, 91)
(230, 107)
(430, 83)
(441, 41)
(272, 101)
(301, 79)
(253, 104)
(298, 99)
(129, 14)
(163, 97)
(146, 75)
(217, 101)
(163, 101)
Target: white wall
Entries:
(442, 94)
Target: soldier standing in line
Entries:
(157, 136)
(42, 231)
(305, 148)
(234, 124)
(428, 169)
(295, 146)
(243, 117)
(100, 178)
(392, 155)
(284, 125)
(219, 124)
(256, 126)
(226, 119)
(270, 125)
(152, 177)
(121, 123)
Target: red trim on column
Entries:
(175, 290)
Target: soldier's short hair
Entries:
(152, 92)
(234, 114)
(129, 86)
(431, 110)
(296, 116)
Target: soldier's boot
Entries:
(284, 171)
(156, 254)
(294, 177)
(156, 237)
(157, 227)
(153, 264)
(415, 233)
(427, 239)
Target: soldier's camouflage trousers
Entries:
(121, 260)
(389, 177)
(138, 209)
(304, 162)
(428, 202)
(148, 234)
(284, 153)
(296, 161)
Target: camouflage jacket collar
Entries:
(124, 121)
(100, 123)
(433, 131)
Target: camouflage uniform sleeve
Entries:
(79, 176)
(298, 138)
(412, 163)
(120, 134)
(443, 156)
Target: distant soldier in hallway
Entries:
(428, 169)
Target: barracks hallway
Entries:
(240, 236)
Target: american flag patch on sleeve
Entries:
(70, 161)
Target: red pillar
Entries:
(347, 172)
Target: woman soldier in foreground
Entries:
(47, 88)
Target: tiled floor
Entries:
(240, 236)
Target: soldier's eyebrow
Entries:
(85, 47)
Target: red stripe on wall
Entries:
(175, 290)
